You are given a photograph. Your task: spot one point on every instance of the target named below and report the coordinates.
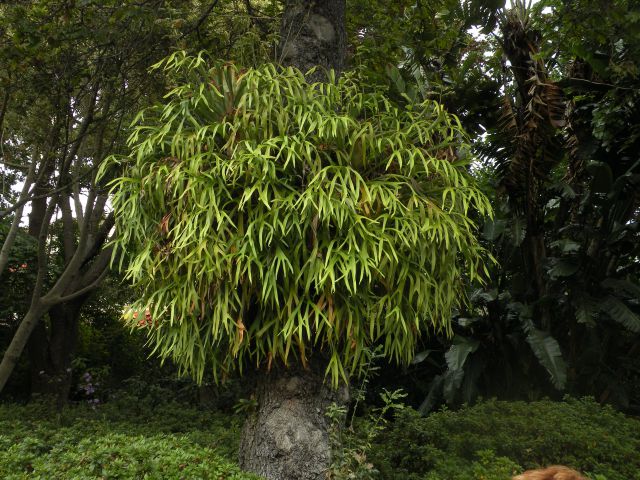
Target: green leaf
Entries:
(620, 285)
(493, 229)
(586, 309)
(566, 245)
(434, 395)
(547, 351)
(563, 267)
(457, 355)
(484, 295)
(420, 357)
(288, 198)
(619, 312)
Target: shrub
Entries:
(117, 441)
(494, 439)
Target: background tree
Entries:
(563, 297)
(74, 76)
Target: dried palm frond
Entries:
(531, 119)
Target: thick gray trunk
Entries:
(313, 34)
(287, 437)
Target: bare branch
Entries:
(201, 20)
(42, 252)
(13, 165)
(13, 230)
(89, 288)
(54, 191)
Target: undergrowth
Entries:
(495, 439)
(118, 440)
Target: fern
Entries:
(266, 218)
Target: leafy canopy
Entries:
(265, 218)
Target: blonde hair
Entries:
(555, 472)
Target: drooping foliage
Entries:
(266, 218)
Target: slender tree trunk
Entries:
(71, 285)
(287, 437)
(7, 245)
(19, 340)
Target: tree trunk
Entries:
(313, 34)
(19, 340)
(51, 352)
(287, 437)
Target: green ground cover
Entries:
(493, 440)
(131, 438)
(118, 441)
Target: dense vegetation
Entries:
(128, 438)
(131, 437)
(461, 196)
(495, 439)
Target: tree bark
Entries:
(51, 354)
(287, 437)
(313, 34)
(19, 340)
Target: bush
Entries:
(117, 441)
(132, 437)
(494, 439)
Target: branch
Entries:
(98, 211)
(201, 20)
(84, 126)
(101, 237)
(3, 111)
(583, 82)
(13, 230)
(6, 163)
(68, 231)
(76, 201)
(50, 193)
(42, 253)
(100, 263)
(78, 293)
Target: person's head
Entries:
(555, 472)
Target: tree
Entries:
(562, 161)
(74, 75)
(271, 222)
